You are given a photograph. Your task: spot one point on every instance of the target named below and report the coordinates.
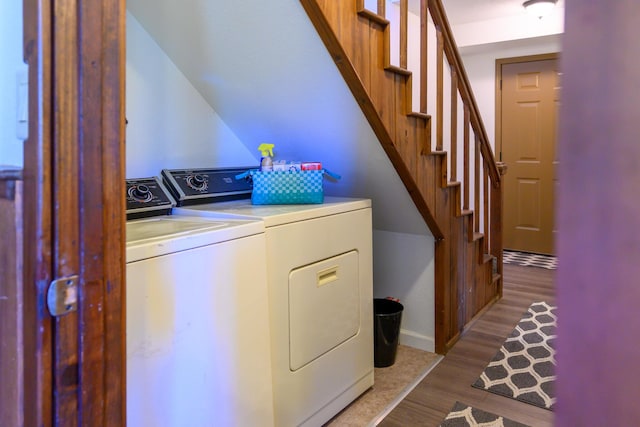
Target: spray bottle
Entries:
(266, 163)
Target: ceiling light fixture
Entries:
(539, 8)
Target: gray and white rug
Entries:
(463, 415)
(527, 259)
(524, 367)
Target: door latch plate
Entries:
(62, 296)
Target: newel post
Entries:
(497, 194)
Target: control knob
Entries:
(197, 182)
(140, 193)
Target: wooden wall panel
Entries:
(426, 178)
(361, 58)
(11, 294)
(418, 132)
(471, 287)
(66, 241)
(382, 83)
(443, 267)
(458, 264)
(405, 130)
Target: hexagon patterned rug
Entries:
(463, 415)
(524, 367)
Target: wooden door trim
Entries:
(102, 260)
(74, 211)
(37, 256)
(498, 91)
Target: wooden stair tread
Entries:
(495, 277)
(398, 70)
(487, 258)
(374, 17)
(452, 184)
(419, 115)
(437, 153)
(466, 212)
(477, 236)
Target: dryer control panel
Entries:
(197, 186)
(148, 197)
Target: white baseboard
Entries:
(416, 340)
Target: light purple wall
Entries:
(599, 217)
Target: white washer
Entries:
(319, 263)
(198, 343)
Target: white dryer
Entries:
(198, 343)
(319, 263)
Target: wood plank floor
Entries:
(451, 380)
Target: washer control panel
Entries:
(148, 197)
(196, 186)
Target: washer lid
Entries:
(166, 227)
(157, 236)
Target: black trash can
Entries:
(387, 315)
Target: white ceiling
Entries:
(465, 11)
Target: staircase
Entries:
(463, 213)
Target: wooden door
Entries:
(530, 99)
(74, 364)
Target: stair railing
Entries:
(481, 175)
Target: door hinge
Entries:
(62, 296)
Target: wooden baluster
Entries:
(476, 180)
(423, 55)
(439, 89)
(467, 126)
(381, 8)
(454, 126)
(485, 202)
(404, 28)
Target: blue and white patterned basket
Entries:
(287, 187)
